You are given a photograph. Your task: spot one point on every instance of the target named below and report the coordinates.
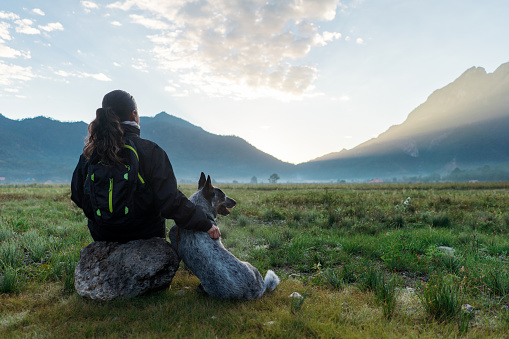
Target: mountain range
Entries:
(463, 125)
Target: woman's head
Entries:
(122, 103)
(105, 135)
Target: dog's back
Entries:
(222, 275)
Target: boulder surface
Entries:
(109, 270)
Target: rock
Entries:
(446, 249)
(296, 295)
(467, 308)
(109, 270)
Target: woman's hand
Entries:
(214, 232)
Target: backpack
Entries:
(109, 191)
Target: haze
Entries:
(296, 79)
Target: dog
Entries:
(221, 274)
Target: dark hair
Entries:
(105, 136)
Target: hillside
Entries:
(40, 148)
(193, 150)
(44, 149)
(461, 125)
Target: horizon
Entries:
(299, 81)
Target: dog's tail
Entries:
(271, 281)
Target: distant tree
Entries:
(274, 178)
(254, 181)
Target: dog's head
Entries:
(219, 202)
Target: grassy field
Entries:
(391, 261)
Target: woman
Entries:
(116, 123)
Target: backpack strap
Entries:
(137, 158)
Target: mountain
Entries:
(462, 125)
(39, 148)
(45, 149)
(193, 150)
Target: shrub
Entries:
(337, 279)
(242, 221)
(383, 287)
(36, 245)
(272, 214)
(386, 294)
(497, 281)
(5, 233)
(440, 220)
(10, 282)
(398, 220)
(333, 278)
(441, 298)
(11, 253)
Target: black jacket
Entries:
(167, 201)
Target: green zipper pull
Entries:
(111, 195)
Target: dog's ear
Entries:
(208, 189)
(208, 184)
(201, 183)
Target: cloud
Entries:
(359, 41)
(54, 26)
(123, 6)
(140, 65)
(4, 31)
(325, 37)
(11, 53)
(149, 23)
(89, 5)
(24, 26)
(8, 15)
(96, 76)
(38, 11)
(14, 73)
(116, 23)
(254, 48)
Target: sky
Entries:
(297, 79)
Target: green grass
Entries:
(367, 258)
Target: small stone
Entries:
(467, 308)
(269, 323)
(296, 295)
(446, 248)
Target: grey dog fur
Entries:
(222, 275)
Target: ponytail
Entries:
(105, 137)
